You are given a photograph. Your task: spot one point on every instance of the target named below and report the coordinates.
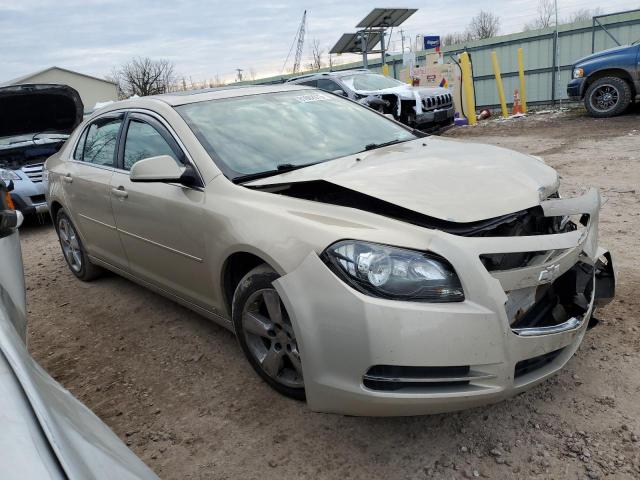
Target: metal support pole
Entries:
(363, 43)
(553, 72)
(496, 72)
(467, 88)
(523, 91)
(382, 47)
(557, 56)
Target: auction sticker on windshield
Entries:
(312, 97)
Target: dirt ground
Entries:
(178, 391)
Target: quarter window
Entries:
(144, 141)
(328, 85)
(100, 142)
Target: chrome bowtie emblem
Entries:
(549, 273)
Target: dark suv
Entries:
(607, 81)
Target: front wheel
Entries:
(265, 332)
(607, 97)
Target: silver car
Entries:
(45, 432)
(362, 265)
(36, 121)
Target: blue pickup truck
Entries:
(607, 81)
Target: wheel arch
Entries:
(56, 206)
(236, 266)
(610, 72)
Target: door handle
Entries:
(119, 192)
(68, 178)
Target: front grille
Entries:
(34, 172)
(437, 101)
(532, 364)
(554, 303)
(393, 378)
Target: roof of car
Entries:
(193, 96)
(340, 73)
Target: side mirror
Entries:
(162, 168)
(340, 92)
(10, 219)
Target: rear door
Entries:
(159, 223)
(86, 183)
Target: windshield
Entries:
(370, 81)
(260, 133)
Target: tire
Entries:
(73, 251)
(607, 97)
(265, 333)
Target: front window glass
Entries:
(370, 82)
(100, 143)
(144, 141)
(259, 133)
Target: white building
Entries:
(91, 89)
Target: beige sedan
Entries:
(363, 266)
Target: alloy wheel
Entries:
(605, 98)
(270, 337)
(70, 244)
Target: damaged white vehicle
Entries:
(419, 107)
(363, 266)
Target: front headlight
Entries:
(8, 175)
(578, 73)
(394, 273)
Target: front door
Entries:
(87, 183)
(159, 223)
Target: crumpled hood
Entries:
(36, 108)
(604, 53)
(445, 179)
(406, 92)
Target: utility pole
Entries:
(557, 53)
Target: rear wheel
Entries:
(607, 97)
(73, 250)
(265, 333)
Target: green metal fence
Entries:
(547, 74)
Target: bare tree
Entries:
(584, 14)
(317, 54)
(252, 73)
(143, 76)
(544, 16)
(455, 38)
(484, 25)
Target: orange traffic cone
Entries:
(517, 106)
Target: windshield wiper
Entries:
(373, 146)
(281, 168)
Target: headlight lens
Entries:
(578, 73)
(394, 273)
(8, 175)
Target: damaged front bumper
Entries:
(370, 356)
(439, 116)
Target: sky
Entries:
(208, 38)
